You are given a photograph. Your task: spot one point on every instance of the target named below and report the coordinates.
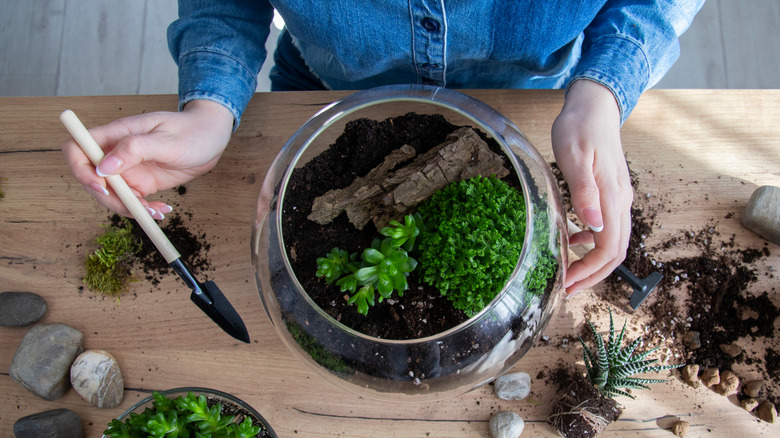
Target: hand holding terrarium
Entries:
(586, 142)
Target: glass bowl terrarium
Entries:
(190, 410)
(335, 189)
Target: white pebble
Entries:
(513, 386)
(95, 375)
(506, 424)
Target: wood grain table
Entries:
(702, 152)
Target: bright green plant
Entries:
(382, 268)
(477, 227)
(404, 235)
(108, 267)
(612, 367)
(334, 265)
(184, 416)
(546, 263)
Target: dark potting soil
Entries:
(192, 247)
(421, 311)
(581, 410)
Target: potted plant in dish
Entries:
(586, 406)
(185, 412)
(392, 149)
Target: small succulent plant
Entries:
(184, 416)
(382, 268)
(404, 235)
(612, 366)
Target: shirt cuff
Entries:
(209, 74)
(618, 63)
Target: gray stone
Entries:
(20, 309)
(762, 214)
(42, 361)
(767, 411)
(95, 375)
(57, 423)
(513, 386)
(753, 388)
(506, 424)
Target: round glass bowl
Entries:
(231, 405)
(435, 367)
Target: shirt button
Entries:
(430, 24)
(428, 81)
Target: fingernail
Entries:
(594, 219)
(108, 166)
(571, 295)
(151, 211)
(98, 188)
(166, 209)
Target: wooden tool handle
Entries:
(139, 212)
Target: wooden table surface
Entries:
(703, 152)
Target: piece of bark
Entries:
(404, 180)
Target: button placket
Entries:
(429, 29)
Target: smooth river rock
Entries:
(20, 309)
(95, 375)
(506, 424)
(42, 361)
(57, 423)
(762, 214)
(513, 386)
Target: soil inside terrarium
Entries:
(422, 311)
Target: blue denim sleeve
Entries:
(631, 44)
(219, 47)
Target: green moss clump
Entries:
(476, 231)
(317, 352)
(108, 268)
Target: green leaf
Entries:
(372, 256)
(362, 299)
(348, 283)
(384, 286)
(367, 275)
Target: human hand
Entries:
(153, 152)
(586, 143)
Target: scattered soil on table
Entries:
(718, 300)
(422, 311)
(193, 247)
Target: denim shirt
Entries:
(625, 45)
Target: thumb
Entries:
(585, 200)
(129, 152)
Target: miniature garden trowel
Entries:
(206, 295)
(642, 287)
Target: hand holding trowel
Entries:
(206, 295)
